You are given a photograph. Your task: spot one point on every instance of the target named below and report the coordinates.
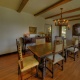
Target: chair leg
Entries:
(52, 70)
(21, 75)
(36, 71)
(18, 70)
(77, 54)
(74, 56)
(66, 53)
(24, 49)
(62, 64)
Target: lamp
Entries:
(61, 21)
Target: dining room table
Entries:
(41, 52)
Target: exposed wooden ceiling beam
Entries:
(52, 6)
(70, 16)
(73, 10)
(23, 3)
(74, 19)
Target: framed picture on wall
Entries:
(76, 29)
(33, 30)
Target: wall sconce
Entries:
(68, 27)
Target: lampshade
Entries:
(61, 21)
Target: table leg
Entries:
(66, 55)
(44, 69)
(24, 49)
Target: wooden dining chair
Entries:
(21, 40)
(62, 39)
(40, 41)
(74, 49)
(55, 57)
(17, 42)
(26, 63)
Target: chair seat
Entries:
(29, 62)
(71, 49)
(57, 58)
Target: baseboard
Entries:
(8, 53)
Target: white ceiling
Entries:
(12, 4)
(35, 6)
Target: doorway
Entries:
(48, 32)
(63, 31)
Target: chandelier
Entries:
(61, 21)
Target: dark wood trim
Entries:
(23, 3)
(6, 54)
(61, 2)
(70, 11)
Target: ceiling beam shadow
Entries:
(23, 3)
(61, 2)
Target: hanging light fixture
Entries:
(61, 21)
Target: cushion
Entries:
(57, 58)
(72, 49)
(28, 62)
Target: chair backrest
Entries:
(21, 41)
(40, 41)
(64, 41)
(20, 51)
(75, 41)
(58, 46)
(76, 44)
(17, 42)
(58, 38)
(76, 37)
(20, 55)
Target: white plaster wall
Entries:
(13, 25)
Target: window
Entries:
(63, 31)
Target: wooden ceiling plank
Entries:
(73, 10)
(23, 3)
(61, 2)
(74, 19)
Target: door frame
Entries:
(51, 29)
